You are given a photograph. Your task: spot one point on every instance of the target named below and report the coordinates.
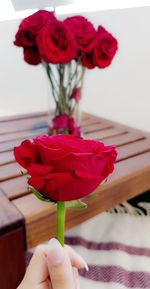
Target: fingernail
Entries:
(86, 267)
(83, 263)
(55, 253)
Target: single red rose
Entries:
(56, 43)
(105, 47)
(76, 94)
(30, 27)
(65, 167)
(83, 31)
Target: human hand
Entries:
(53, 267)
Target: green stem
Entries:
(48, 70)
(60, 222)
(53, 77)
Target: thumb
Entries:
(59, 266)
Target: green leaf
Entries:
(105, 181)
(23, 172)
(76, 204)
(92, 196)
(40, 196)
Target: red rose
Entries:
(65, 167)
(28, 31)
(56, 43)
(105, 47)
(83, 31)
(30, 26)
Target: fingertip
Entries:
(55, 252)
(76, 259)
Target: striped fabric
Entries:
(117, 250)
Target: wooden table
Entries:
(25, 221)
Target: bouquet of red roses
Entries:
(65, 49)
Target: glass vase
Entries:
(65, 82)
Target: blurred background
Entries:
(120, 92)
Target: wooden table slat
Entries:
(133, 149)
(107, 133)
(122, 139)
(95, 127)
(8, 146)
(126, 127)
(90, 120)
(10, 217)
(21, 125)
(10, 171)
(9, 119)
(25, 116)
(6, 158)
(21, 135)
(15, 188)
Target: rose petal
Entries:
(25, 154)
(39, 170)
(37, 183)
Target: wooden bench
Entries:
(25, 221)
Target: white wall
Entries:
(120, 92)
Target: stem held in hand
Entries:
(60, 222)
